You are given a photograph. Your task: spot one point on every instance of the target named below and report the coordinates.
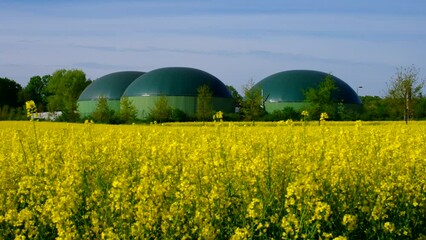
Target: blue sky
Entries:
(362, 42)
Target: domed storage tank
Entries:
(287, 89)
(179, 85)
(110, 86)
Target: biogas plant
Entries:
(179, 85)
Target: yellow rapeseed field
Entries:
(283, 180)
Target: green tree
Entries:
(252, 105)
(238, 99)
(419, 109)
(178, 115)
(320, 98)
(128, 111)
(9, 93)
(283, 114)
(36, 91)
(204, 103)
(65, 86)
(375, 108)
(102, 113)
(161, 111)
(4, 112)
(404, 88)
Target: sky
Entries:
(362, 42)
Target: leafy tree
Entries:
(102, 113)
(390, 112)
(238, 99)
(5, 112)
(9, 93)
(161, 111)
(419, 109)
(204, 103)
(375, 108)
(65, 86)
(8, 113)
(404, 88)
(252, 105)
(283, 114)
(128, 111)
(178, 115)
(36, 91)
(320, 99)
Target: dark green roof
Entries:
(290, 86)
(110, 86)
(176, 81)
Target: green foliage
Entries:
(320, 98)
(9, 93)
(232, 117)
(4, 112)
(252, 106)
(178, 115)
(283, 114)
(374, 108)
(128, 111)
(404, 88)
(161, 111)
(36, 90)
(204, 103)
(8, 113)
(65, 86)
(238, 99)
(11, 102)
(419, 109)
(102, 113)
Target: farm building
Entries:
(287, 88)
(179, 85)
(110, 86)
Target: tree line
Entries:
(56, 92)
(60, 91)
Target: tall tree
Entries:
(65, 86)
(102, 113)
(404, 88)
(36, 91)
(238, 99)
(320, 98)
(374, 108)
(128, 111)
(9, 92)
(419, 109)
(252, 105)
(204, 103)
(161, 111)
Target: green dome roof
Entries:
(176, 81)
(110, 86)
(289, 86)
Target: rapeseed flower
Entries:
(350, 221)
(218, 116)
(389, 227)
(187, 181)
(31, 108)
(323, 116)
